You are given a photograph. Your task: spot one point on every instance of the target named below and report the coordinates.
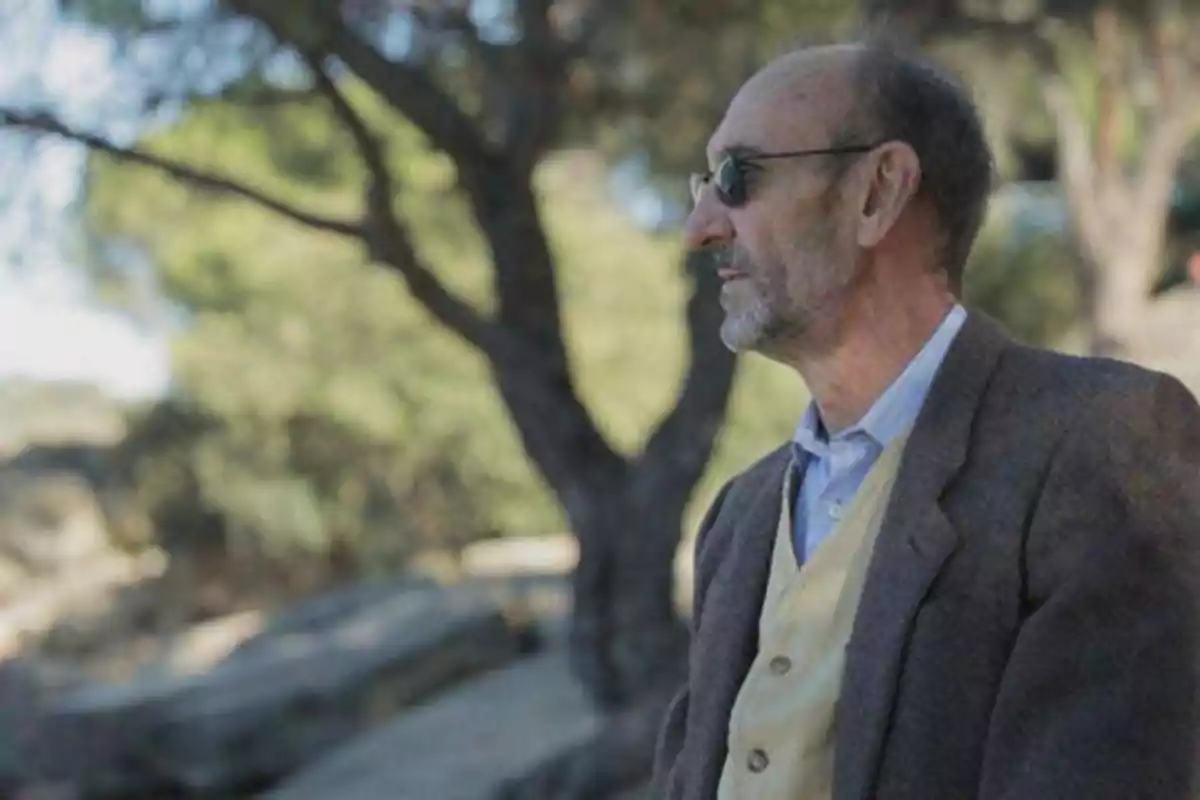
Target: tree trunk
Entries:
(1118, 206)
(626, 638)
(627, 644)
(1121, 297)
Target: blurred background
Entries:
(358, 404)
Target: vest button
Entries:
(758, 761)
(780, 665)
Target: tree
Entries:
(493, 98)
(1114, 76)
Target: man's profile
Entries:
(975, 572)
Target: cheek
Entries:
(755, 240)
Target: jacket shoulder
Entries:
(740, 493)
(1060, 390)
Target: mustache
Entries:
(722, 257)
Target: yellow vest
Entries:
(781, 729)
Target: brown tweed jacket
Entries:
(1030, 625)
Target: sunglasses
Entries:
(729, 177)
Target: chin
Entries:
(741, 335)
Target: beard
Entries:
(748, 313)
(776, 307)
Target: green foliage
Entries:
(307, 366)
(1022, 268)
(304, 489)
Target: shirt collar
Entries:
(898, 406)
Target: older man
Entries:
(975, 572)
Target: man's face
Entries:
(785, 261)
(785, 275)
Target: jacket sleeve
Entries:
(1101, 695)
(673, 732)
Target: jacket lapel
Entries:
(915, 541)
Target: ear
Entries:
(891, 182)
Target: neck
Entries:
(878, 331)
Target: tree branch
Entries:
(457, 20)
(1106, 31)
(365, 140)
(390, 244)
(1077, 170)
(407, 88)
(1173, 121)
(1170, 132)
(536, 28)
(411, 92)
(534, 86)
(933, 20)
(588, 25)
(387, 239)
(1168, 64)
(46, 124)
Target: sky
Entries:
(50, 326)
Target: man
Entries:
(975, 573)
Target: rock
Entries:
(530, 577)
(539, 606)
(80, 595)
(27, 687)
(303, 688)
(57, 565)
(204, 645)
(326, 610)
(462, 745)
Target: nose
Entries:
(708, 223)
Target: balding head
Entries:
(832, 163)
(797, 101)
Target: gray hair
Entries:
(901, 96)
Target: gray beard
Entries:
(746, 327)
(754, 324)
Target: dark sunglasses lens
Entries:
(730, 181)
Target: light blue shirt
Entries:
(837, 466)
